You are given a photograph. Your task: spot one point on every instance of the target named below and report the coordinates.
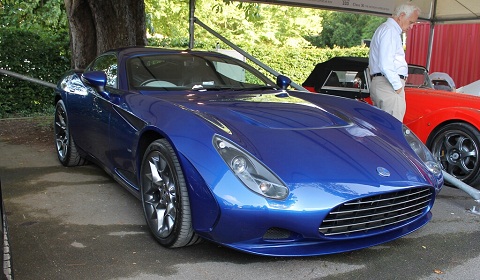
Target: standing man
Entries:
(388, 67)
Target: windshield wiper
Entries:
(254, 88)
(227, 88)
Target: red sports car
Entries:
(447, 122)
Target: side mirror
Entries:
(97, 80)
(283, 81)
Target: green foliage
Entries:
(38, 54)
(34, 40)
(261, 28)
(297, 64)
(178, 43)
(167, 18)
(345, 29)
(249, 24)
(243, 23)
(33, 14)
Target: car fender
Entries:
(424, 126)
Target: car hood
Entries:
(301, 141)
(270, 111)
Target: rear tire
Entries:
(457, 147)
(65, 145)
(165, 200)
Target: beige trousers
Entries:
(384, 97)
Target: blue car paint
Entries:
(326, 149)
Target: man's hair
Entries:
(407, 8)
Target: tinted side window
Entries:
(350, 84)
(346, 79)
(108, 64)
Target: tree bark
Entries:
(99, 25)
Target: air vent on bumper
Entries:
(373, 213)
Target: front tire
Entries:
(165, 198)
(457, 147)
(65, 145)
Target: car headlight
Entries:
(253, 174)
(422, 151)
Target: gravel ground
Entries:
(28, 131)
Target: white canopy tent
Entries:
(433, 11)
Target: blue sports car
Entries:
(217, 151)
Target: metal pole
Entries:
(464, 187)
(191, 25)
(430, 39)
(430, 45)
(247, 55)
(28, 79)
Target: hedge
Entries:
(296, 63)
(36, 54)
(46, 56)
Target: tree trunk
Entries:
(100, 25)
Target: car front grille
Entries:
(376, 213)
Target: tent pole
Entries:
(430, 38)
(430, 45)
(245, 54)
(191, 24)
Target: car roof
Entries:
(322, 70)
(145, 50)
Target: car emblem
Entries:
(382, 171)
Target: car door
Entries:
(124, 128)
(124, 124)
(90, 117)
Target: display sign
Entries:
(385, 7)
(373, 7)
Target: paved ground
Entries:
(76, 223)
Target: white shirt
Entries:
(386, 53)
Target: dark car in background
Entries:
(447, 122)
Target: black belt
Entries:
(380, 74)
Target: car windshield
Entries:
(192, 71)
(418, 77)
